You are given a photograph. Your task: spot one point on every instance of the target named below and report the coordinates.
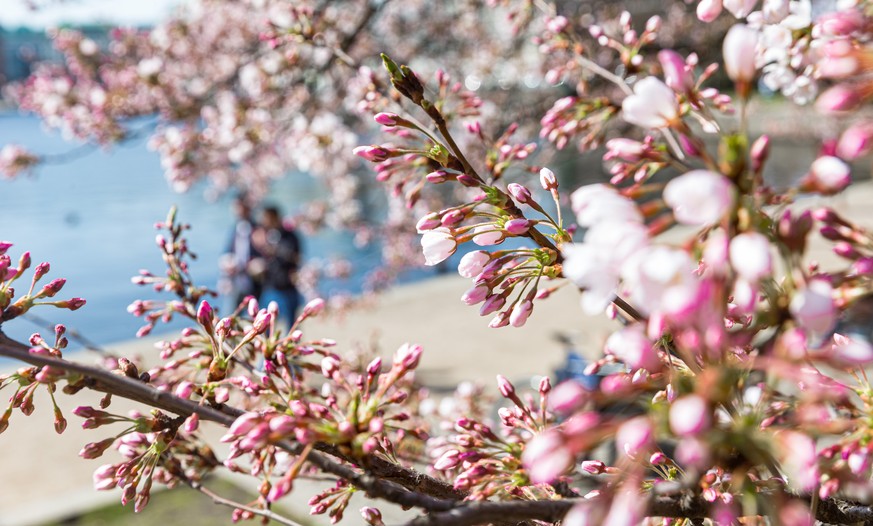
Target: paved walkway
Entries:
(43, 478)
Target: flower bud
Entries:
(738, 49)
(690, 415)
(519, 193)
(313, 308)
(548, 180)
(520, 313)
(505, 386)
(387, 119)
(677, 74)
(708, 10)
(473, 263)
(517, 226)
(204, 315)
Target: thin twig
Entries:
(218, 499)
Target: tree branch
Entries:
(218, 499)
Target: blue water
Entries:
(92, 219)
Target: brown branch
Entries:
(384, 480)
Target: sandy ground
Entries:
(42, 477)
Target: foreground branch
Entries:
(384, 480)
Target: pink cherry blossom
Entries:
(739, 8)
(699, 197)
(596, 203)
(827, 175)
(473, 263)
(677, 73)
(813, 307)
(595, 264)
(708, 10)
(661, 279)
(487, 235)
(438, 245)
(739, 49)
(635, 437)
(750, 256)
(631, 346)
(546, 457)
(690, 415)
(653, 104)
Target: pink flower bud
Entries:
(40, 271)
(520, 313)
(428, 222)
(739, 8)
(438, 176)
(448, 460)
(813, 307)
(408, 356)
(856, 141)
(828, 175)
(371, 515)
(631, 346)
(374, 366)
(548, 181)
(738, 49)
(452, 218)
(262, 321)
(492, 303)
(677, 74)
(517, 227)
(750, 256)
(624, 149)
(546, 457)
(185, 389)
(519, 193)
(759, 152)
(501, 319)
(476, 295)
(505, 386)
(313, 308)
(838, 98)
(52, 288)
(635, 437)
(192, 423)
(204, 315)
(473, 263)
(690, 415)
(244, 423)
(4, 246)
(699, 197)
(437, 245)
(329, 366)
(693, 454)
(708, 10)
(387, 119)
(487, 235)
(374, 154)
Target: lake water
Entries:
(92, 218)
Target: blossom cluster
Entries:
(734, 390)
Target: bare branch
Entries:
(218, 499)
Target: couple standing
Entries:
(261, 260)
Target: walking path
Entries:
(43, 478)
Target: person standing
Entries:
(280, 250)
(237, 281)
